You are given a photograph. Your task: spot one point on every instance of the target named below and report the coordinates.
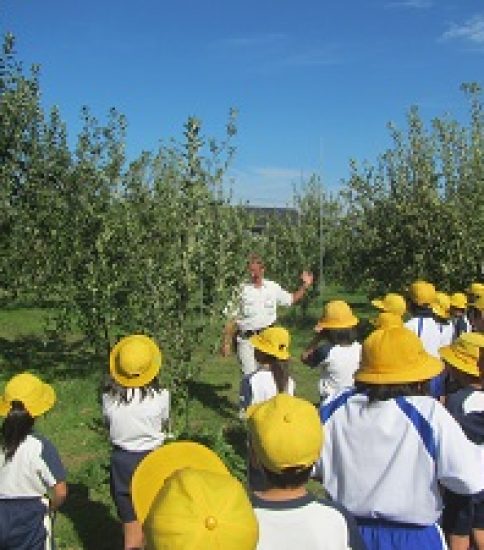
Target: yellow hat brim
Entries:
(378, 304)
(264, 346)
(152, 472)
(467, 364)
(347, 323)
(425, 370)
(145, 377)
(34, 408)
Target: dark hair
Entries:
(279, 369)
(122, 394)
(340, 336)
(385, 392)
(17, 425)
(289, 478)
(419, 310)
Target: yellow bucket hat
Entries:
(458, 300)
(134, 361)
(475, 289)
(478, 303)
(336, 314)
(441, 305)
(274, 341)
(463, 354)
(36, 396)
(395, 355)
(186, 498)
(387, 319)
(422, 293)
(286, 432)
(392, 303)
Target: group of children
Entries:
(395, 442)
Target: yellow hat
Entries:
(186, 499)
(134, 361)
(273, 341)
(395, 355)
(422, 293)
(441, 305)
(286, 432)
(387, 319)
(475, 289)
(336, 314)
(462, 355)
(458, 300)
(392, 303)
(36, 396)
(478, 303)
(474, 338)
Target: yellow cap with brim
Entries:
(273, 341)
(387, 319)
(336, 315)
(475, 289)
(391, 303)
(157, 466)
(422, 293)
(37, 397)
(478, 303)
(395, 355)
(458, 300)
(286, 432)
(463, 355)
(135, 361)
(441, 305)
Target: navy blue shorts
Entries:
(22, 524)
(386, 535)
(123, 465)
(462, 514)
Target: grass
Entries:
(88, 519)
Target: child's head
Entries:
(421, 294)
(394, 357)
(462, 356)
(271, 344)
(25, 398)
(441, 307)
(186, 499)
(386, 320)
(337, 323)
(391, 303)
(287, 436)
(458, 304)
(476, 314)
(474, 290)
(135, 361)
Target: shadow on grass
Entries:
(92, 521)
(209, 396)
(48, 357)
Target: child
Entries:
(441, 310)
(463, 514)
(271, 348)
(286, 435)
(186, 499)
(391, 303)
(387, 319)
(30, 466)
(474, 290)
(388, 446)
(476, 314)
(458, 306)
(136, 410)
(340, 357)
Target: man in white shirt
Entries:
(256, 310)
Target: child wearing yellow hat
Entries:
(388, 446)
(136, 409)
(30, 466)
(271, 351)
(441, 310)
(476, 314)
(339, 357)
(464, 515)
(186, 499)
(286, 435)
(458, 307)
(391, 303)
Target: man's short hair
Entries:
(255, 259)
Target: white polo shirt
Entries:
(386, 459)
(429, 333)
(257, 306)
(261, 386)
(137, 425)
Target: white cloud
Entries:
(415, 4)
(471, 31)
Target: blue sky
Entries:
(315, 82)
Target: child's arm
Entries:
(58, 496)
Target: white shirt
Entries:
(429, 333)
(338, 369)
(257, 306)
(137, 425)
(386, 459)
(35, 467)
(261, 386)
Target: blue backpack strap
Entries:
(420, 326)
(421, 424)
(327, 410)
